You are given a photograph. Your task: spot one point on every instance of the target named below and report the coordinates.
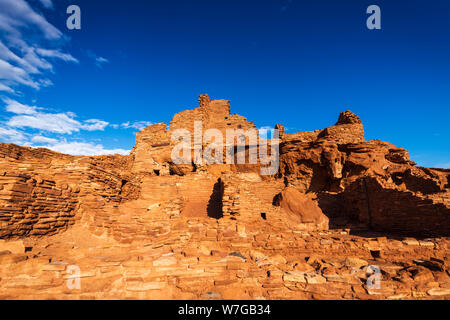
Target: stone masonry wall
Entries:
(43, 192)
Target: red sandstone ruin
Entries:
(141, 226)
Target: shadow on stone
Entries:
(215, 204)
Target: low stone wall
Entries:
(43, 192)
(31, 207)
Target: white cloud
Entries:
(10, 74)
(9, 135)
(100, 60)
(18, 108)
(58, 122)
(56, 54)
(74, 147)
(19, 14)
(86, 149)
(63, 123)
(139, 125)
(12, 136)
(48, 4)
(6, 88)
(94, 125)
(7, 55)
(42, 139)
(25, 34)
(29, 47)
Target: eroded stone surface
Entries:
(143, 227)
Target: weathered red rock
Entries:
(301, 208)
(144, 227)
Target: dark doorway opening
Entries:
(215, 204)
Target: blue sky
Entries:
(293, 62)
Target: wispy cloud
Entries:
(48, 4)
(81, 148)
(99, 61)
(17, 15)
(56, 54)
(12, 136)
(18, 108)
(28, 46)
(6, 88)
(12, 76)
(138, 125)
(60, 144)
(52, 130)
(64, 123)
(42, 139)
